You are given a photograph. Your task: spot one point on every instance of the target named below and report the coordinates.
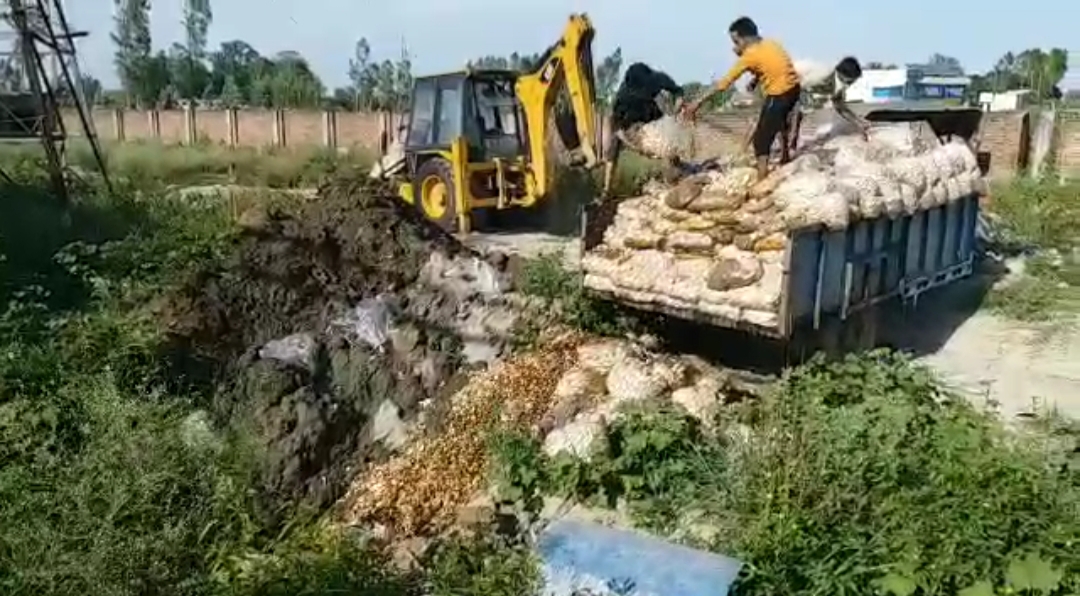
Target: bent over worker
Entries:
(634, 105)
(770, 63)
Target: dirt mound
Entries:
(354, 240)
(330, 327)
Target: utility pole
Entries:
(47, 52)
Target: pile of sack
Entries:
(715, 241)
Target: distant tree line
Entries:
(237, 75)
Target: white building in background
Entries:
(912, 83)
(878, 86)
(1004, 101)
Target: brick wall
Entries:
(1067, 144)
(1004, 134)
(1007, 137)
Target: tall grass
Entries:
(146, 162)
(1040, 217)
(111, 483)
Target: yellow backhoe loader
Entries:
(482, 139)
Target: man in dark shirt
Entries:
(634, 105)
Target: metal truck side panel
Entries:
(836, 273)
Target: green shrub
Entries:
(854, 477)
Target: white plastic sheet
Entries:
(368, 322)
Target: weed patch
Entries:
(545, 277)
(146, 164)
(1039, 217)
(855, 477)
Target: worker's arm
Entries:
(841, 107)
(741, 66)
(663, 82)
(616, 141)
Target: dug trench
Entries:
(331, 328)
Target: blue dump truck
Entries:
(834, 281)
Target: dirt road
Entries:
(1017, 367)
(1021, 368)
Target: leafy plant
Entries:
(488, 566)
(545, 277)
(853, 477)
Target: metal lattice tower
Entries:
(39, 74)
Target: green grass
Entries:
(860, 477)
(860, 472)
(1040, 216)
(108, 485)
(144, 163)
(546, 277)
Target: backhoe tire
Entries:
(435, 198)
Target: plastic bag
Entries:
(665, 138)
(688, 241)
(482, 276)
(646, 270)
(898, 138)
(909, 198)
(710, 200)
(735, 182)
(573, 393)
(940, 193)
(770, 243)
(953, 189)
(631, 380)
(601, 356)
(580, 558)
(832, 210)
(890, 197)
(368, 322)
(576, 438)
(296, 349)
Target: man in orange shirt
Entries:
(775, 73)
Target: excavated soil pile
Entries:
(332, 326)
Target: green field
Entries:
(874, 478)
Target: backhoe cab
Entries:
(480, 139)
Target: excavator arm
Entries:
(569, 63)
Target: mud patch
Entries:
(327, 329)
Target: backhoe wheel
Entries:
(434, 192)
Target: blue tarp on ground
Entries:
(578, 555)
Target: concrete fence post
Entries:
(329, 121)
(280, 139)
(233, 125)
(154, 117)
(191, 134)
(118, 125)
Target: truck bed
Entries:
(833, 274)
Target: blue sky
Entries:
(690, 43)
